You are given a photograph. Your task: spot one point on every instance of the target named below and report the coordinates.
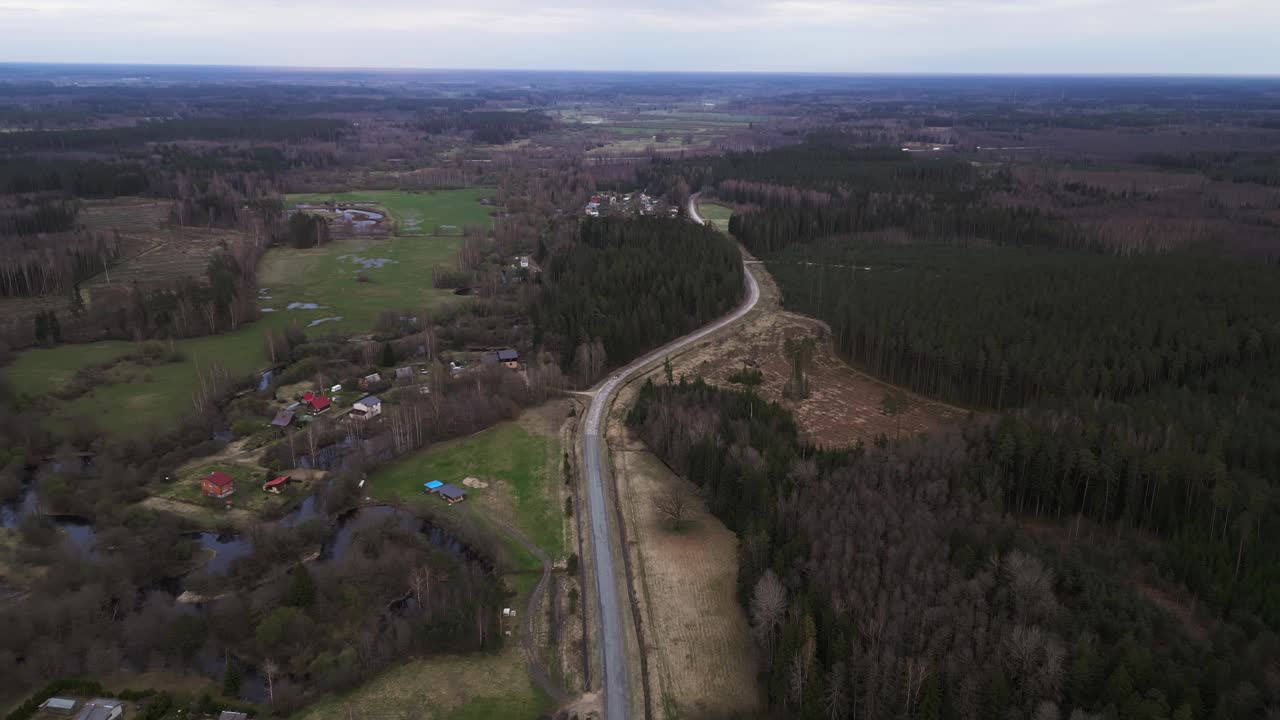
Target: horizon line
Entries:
(808, 73)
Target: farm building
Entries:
(232, 715)
(452, 494)
(430, 487)
(283, 419)
(506, 358)
(217, 485)
(317, 403)
(404, 373)
(59, 705)
(366, 408)
(370, 379)
(275, 487)
(101, 709)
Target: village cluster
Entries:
(636, 203)
(309, 405)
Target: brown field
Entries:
(127, 216)
(162, 256)
(700, 653)
(844, 405)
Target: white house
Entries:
(366, 408)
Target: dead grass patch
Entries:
(697, 636)
(844, 403)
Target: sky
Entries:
(909, 36)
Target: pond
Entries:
(368, 263)
(310, 508)
(79, 533)
(223, 549)
(12, 513)
(351, 522)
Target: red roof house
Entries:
(317, 403)
(217, 485)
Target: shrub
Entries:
(748, 377)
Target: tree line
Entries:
(228, 129)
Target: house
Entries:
(101, 709)
(506, 358)
(317, 403)
(217, 485)
(433, 486)
(59, 705)
(275, 487)
(283, 419)
(366, 408)
(370, 379)
(452, 494)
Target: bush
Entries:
(245, 427)
(571, 566)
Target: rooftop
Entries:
(99, 709)
(219, 479)
(452, 491)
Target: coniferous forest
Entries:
(629, 284)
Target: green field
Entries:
(513, 461)
(419, 213)
(717, 215)
(449, 687)
(138, 399)
(397, 270)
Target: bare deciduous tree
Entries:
(675, 505)
(768, 605)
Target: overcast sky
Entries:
(927, 36)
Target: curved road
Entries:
(608, 577)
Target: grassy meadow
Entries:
(447, 687)
(515, 464)
(397, 274)
(717, 215)
(135, 400)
